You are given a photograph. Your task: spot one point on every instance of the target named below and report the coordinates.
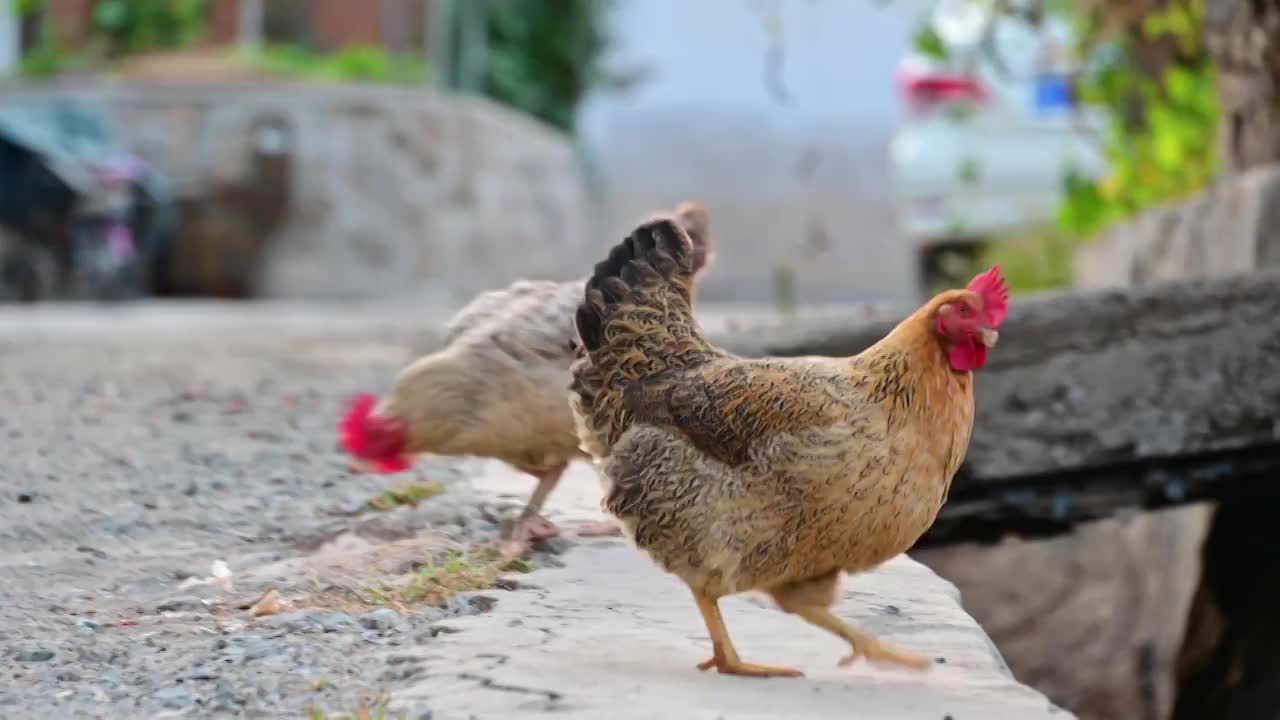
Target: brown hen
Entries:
(775, 475)
(497, 390)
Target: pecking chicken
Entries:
(497, 389)
(772, 474)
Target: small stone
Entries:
(269, 604)
(181, 603)
(174, 698)
(336, 622)
(26, 497)
(303, 621)
(380, 619)
(92, 551)
(400, 674)
(86, 627)
(257, 648)
(471, 604)
(404, 660)
(226, 698)
(35, 654)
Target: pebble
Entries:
(92, 551)
(336, 622)
(380, 619)
(174, 698)
(465, 605)
(34, 654)
(257, 648)
(181, 603)
(401, 674)
(419, 711)
(403, 660)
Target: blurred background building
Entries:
(778, 120)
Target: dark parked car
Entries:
(79, 217)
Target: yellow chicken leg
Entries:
(864, 644)
(724, 657)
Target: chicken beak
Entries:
(988, 336)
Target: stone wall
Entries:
(1233, 227)
(1095, 619)
(390, 192)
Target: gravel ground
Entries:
(130, 470)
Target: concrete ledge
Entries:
(610, 635)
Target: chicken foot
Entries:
(724, 656)
(811, 600)
(864, 644)
(599, 528)
(531, 526)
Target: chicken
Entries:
(497, 389)
(773, 475)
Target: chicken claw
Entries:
(526, 531)
(602, 528)
(724, 657)
(864, 644)
(746, 669)
(879, 652)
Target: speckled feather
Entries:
(740, 474)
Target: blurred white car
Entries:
(988, 132)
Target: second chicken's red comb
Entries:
(995, 296)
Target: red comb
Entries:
(352, 428)
(355, 430)
(995, 296)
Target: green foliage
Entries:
(1032, 260)
(1157, 87)
(543, 57)
(45, 61)
(48, 59)
(1160, 143)
(135, 26)
(929, 44)
(118, 28)
(357, 63)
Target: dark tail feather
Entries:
(658, 254)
